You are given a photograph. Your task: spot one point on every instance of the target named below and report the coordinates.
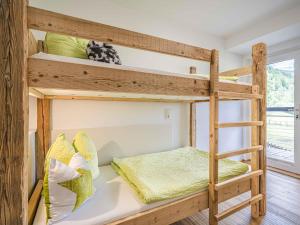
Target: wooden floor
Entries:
(283, 199)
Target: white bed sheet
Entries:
(113, 200)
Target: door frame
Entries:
(280, 164)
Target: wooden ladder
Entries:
(256, 149)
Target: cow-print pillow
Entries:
(102, 52)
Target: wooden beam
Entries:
(193, 124)
(259, 62)
(62, 75)
(43, 134)
(43, 20)
(237, 72)
(13, 113)
(241, 178)
(239, 152)
(213, 137)
(34, 201)
(240, 124)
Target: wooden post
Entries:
(193, 124)
(254, 155)
(13, 112)
(213, 137)
(43, 134)
(259, 57)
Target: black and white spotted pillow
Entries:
(102, 52)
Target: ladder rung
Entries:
(238, 179)
(238, 207)
(239, 124)
(239, 152)
(237, 95)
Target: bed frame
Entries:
(21, 74)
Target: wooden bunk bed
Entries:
(21, 74)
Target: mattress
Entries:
(113, 200)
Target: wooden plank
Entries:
(34, 201)
(239, 152)
(237, 72)
(43, 20)
(213, 137)
(238, 207)
(241, 178)
(259, 62)
(240, 124)
(193, 124)
(62, 75)
(43, 134)
(237, 95)
(13, 113)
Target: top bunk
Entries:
(60, 77)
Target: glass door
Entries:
(280, 111)
(283, 100)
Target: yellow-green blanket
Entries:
(170, 174)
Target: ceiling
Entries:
(238, 22)
(218, 17)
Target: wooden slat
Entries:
(43, 20)
(241, 178)
(43, 134)
(13, 113)
(236, 95)
(259, 62)
(240, 124)
(239, 152)
(213, 137)
(34, 201)
(238, 207)
(237, 72)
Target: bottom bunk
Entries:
(116, 202)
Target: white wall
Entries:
(88, 114)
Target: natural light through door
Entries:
(280, 111)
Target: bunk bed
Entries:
(59, 78)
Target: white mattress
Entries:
(113, 200)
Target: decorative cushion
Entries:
(86, 147)
(102, 52)
(69, 186)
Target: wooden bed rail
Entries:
(43, 20)
(34, 200)
(237, 72)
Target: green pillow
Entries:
(86, 147)
(58, 44)
(69, 186)
(62, 151)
